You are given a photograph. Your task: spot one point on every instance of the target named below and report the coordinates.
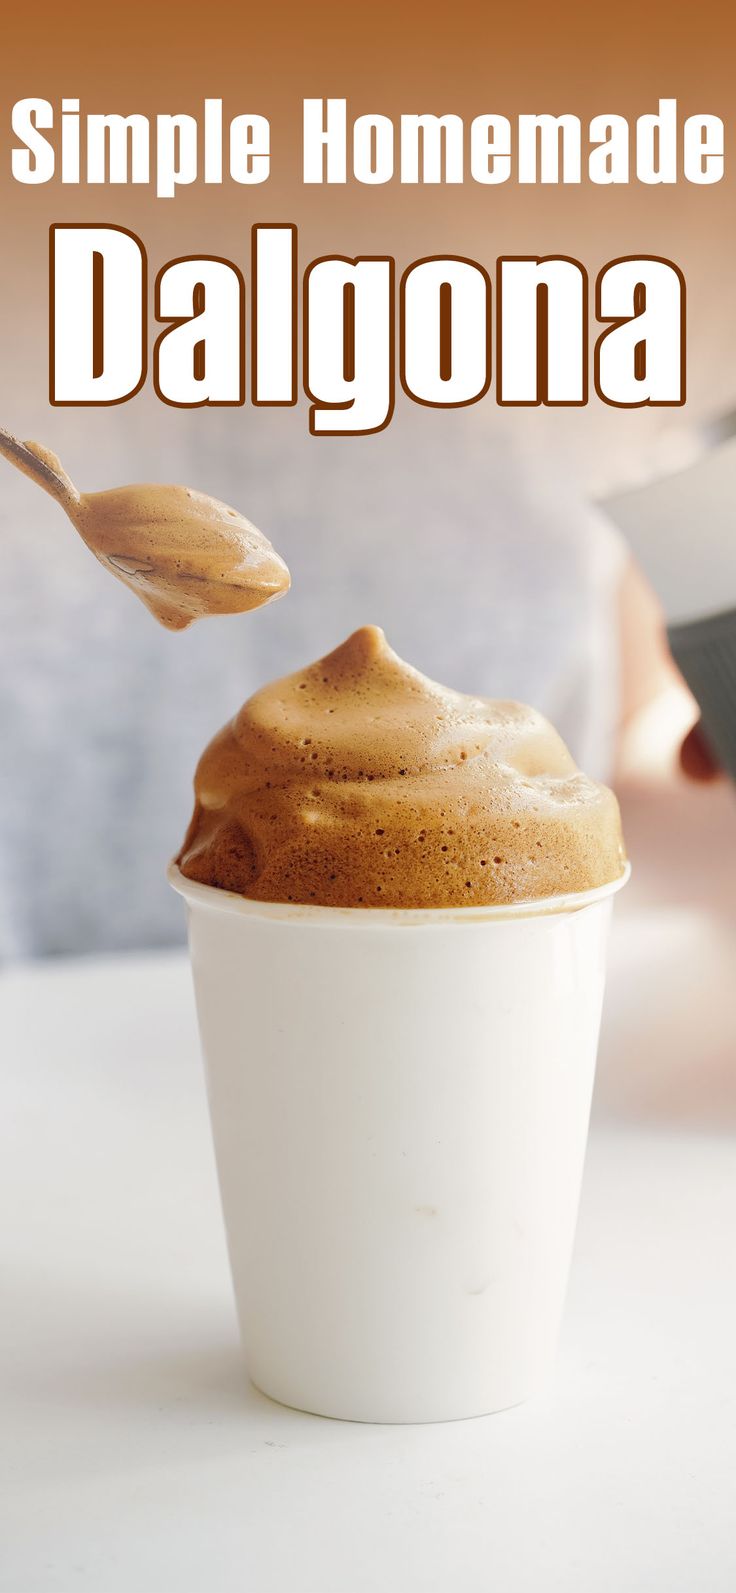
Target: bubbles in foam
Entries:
(358, 780)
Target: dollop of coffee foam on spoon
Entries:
(357, 782)
(183, 553)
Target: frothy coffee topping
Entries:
(357, 782)
(183, 553)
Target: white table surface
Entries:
(137, 1459)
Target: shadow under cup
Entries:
(399, 1103)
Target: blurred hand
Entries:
(696, 759)
(649, 673)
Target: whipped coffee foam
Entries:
(182, 552)
(357, 782)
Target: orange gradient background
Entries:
(386, 59)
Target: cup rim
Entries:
(218, 900)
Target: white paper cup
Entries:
(400, 1105)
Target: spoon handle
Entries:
(42, 467)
